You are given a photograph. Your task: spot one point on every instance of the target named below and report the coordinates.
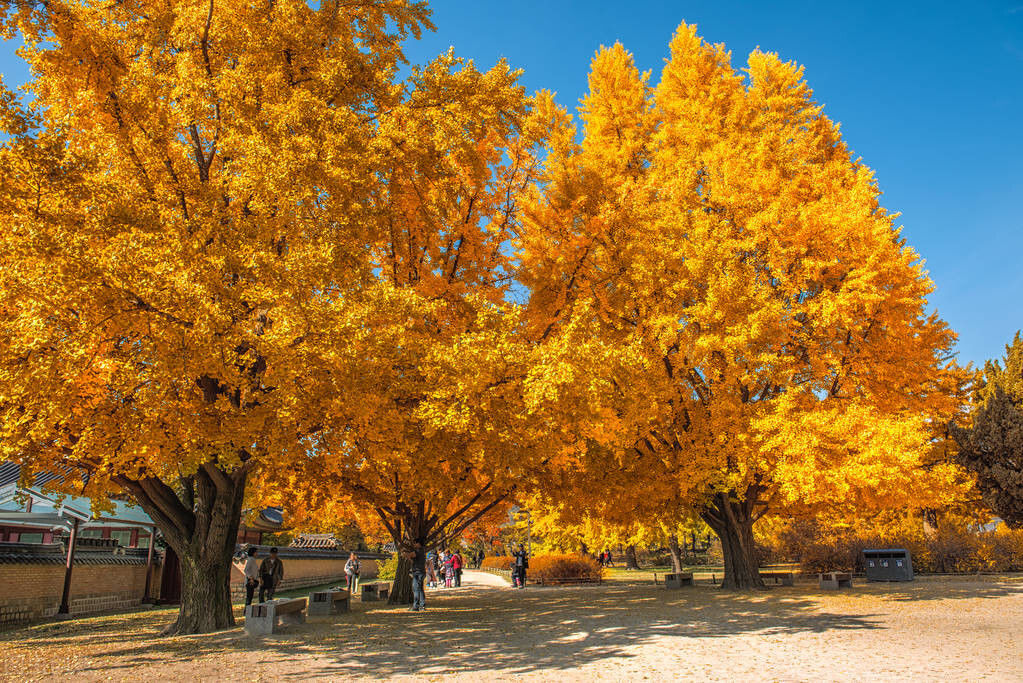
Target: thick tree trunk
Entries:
(205, 596)
(419, 523)
(202, 527)
(733, 524)
(630, 558)
(584, 549)
(676, 554)
(401, 587)
(930, 522)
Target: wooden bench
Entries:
(375, 591)
(784, 578)
(326, 603)
(562, 580)
(834, 580)
(678, 580)
(265, 618)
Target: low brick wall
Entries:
(304, 568)
(104, 579)
(31, 584)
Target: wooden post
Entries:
(147, 599)
(65, 605)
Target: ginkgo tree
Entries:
(437, 414)
(717, 227)
(189, 208)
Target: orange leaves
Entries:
(180, 278)
(715, 227)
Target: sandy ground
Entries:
(963, 628)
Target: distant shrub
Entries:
(954, 547)
(388, 568)
(564, 567)
(497, 562)
(1001, 550)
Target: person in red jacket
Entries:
(456, 565)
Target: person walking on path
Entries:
(418, 557)
(608, 560)
(272, 573)
(431, 570)
(352, 572)
(251, 572)
(519, 566)
(456, 567)
(449, 572)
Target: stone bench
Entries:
(265, 618)
(326, 603)
(678, 580)
(834, 580)
(375, 591)
(784, 578)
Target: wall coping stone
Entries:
(285, 552)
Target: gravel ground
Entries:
(959, 628)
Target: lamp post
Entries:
(529, 534)
(65, 604)
(147, 599)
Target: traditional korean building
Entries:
(34, 515)
(57, 556)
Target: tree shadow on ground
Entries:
(928, 588)
(511, 631)
(497, 630)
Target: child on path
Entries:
(449, 571)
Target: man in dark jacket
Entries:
(417, 555)
(519, 566)
(271, 571)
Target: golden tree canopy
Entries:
(779, 347)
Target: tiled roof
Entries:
(10, 472)
(298, 553)
(54, 553)
(323, 541)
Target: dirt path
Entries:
(477, 579)
(932, 629)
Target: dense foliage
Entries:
(553, 566)
(956, 545)
(564, 567)
(774, 350)
(992, 446)
(498, 562)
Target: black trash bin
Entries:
(889, 564)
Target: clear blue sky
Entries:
(929, 94)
